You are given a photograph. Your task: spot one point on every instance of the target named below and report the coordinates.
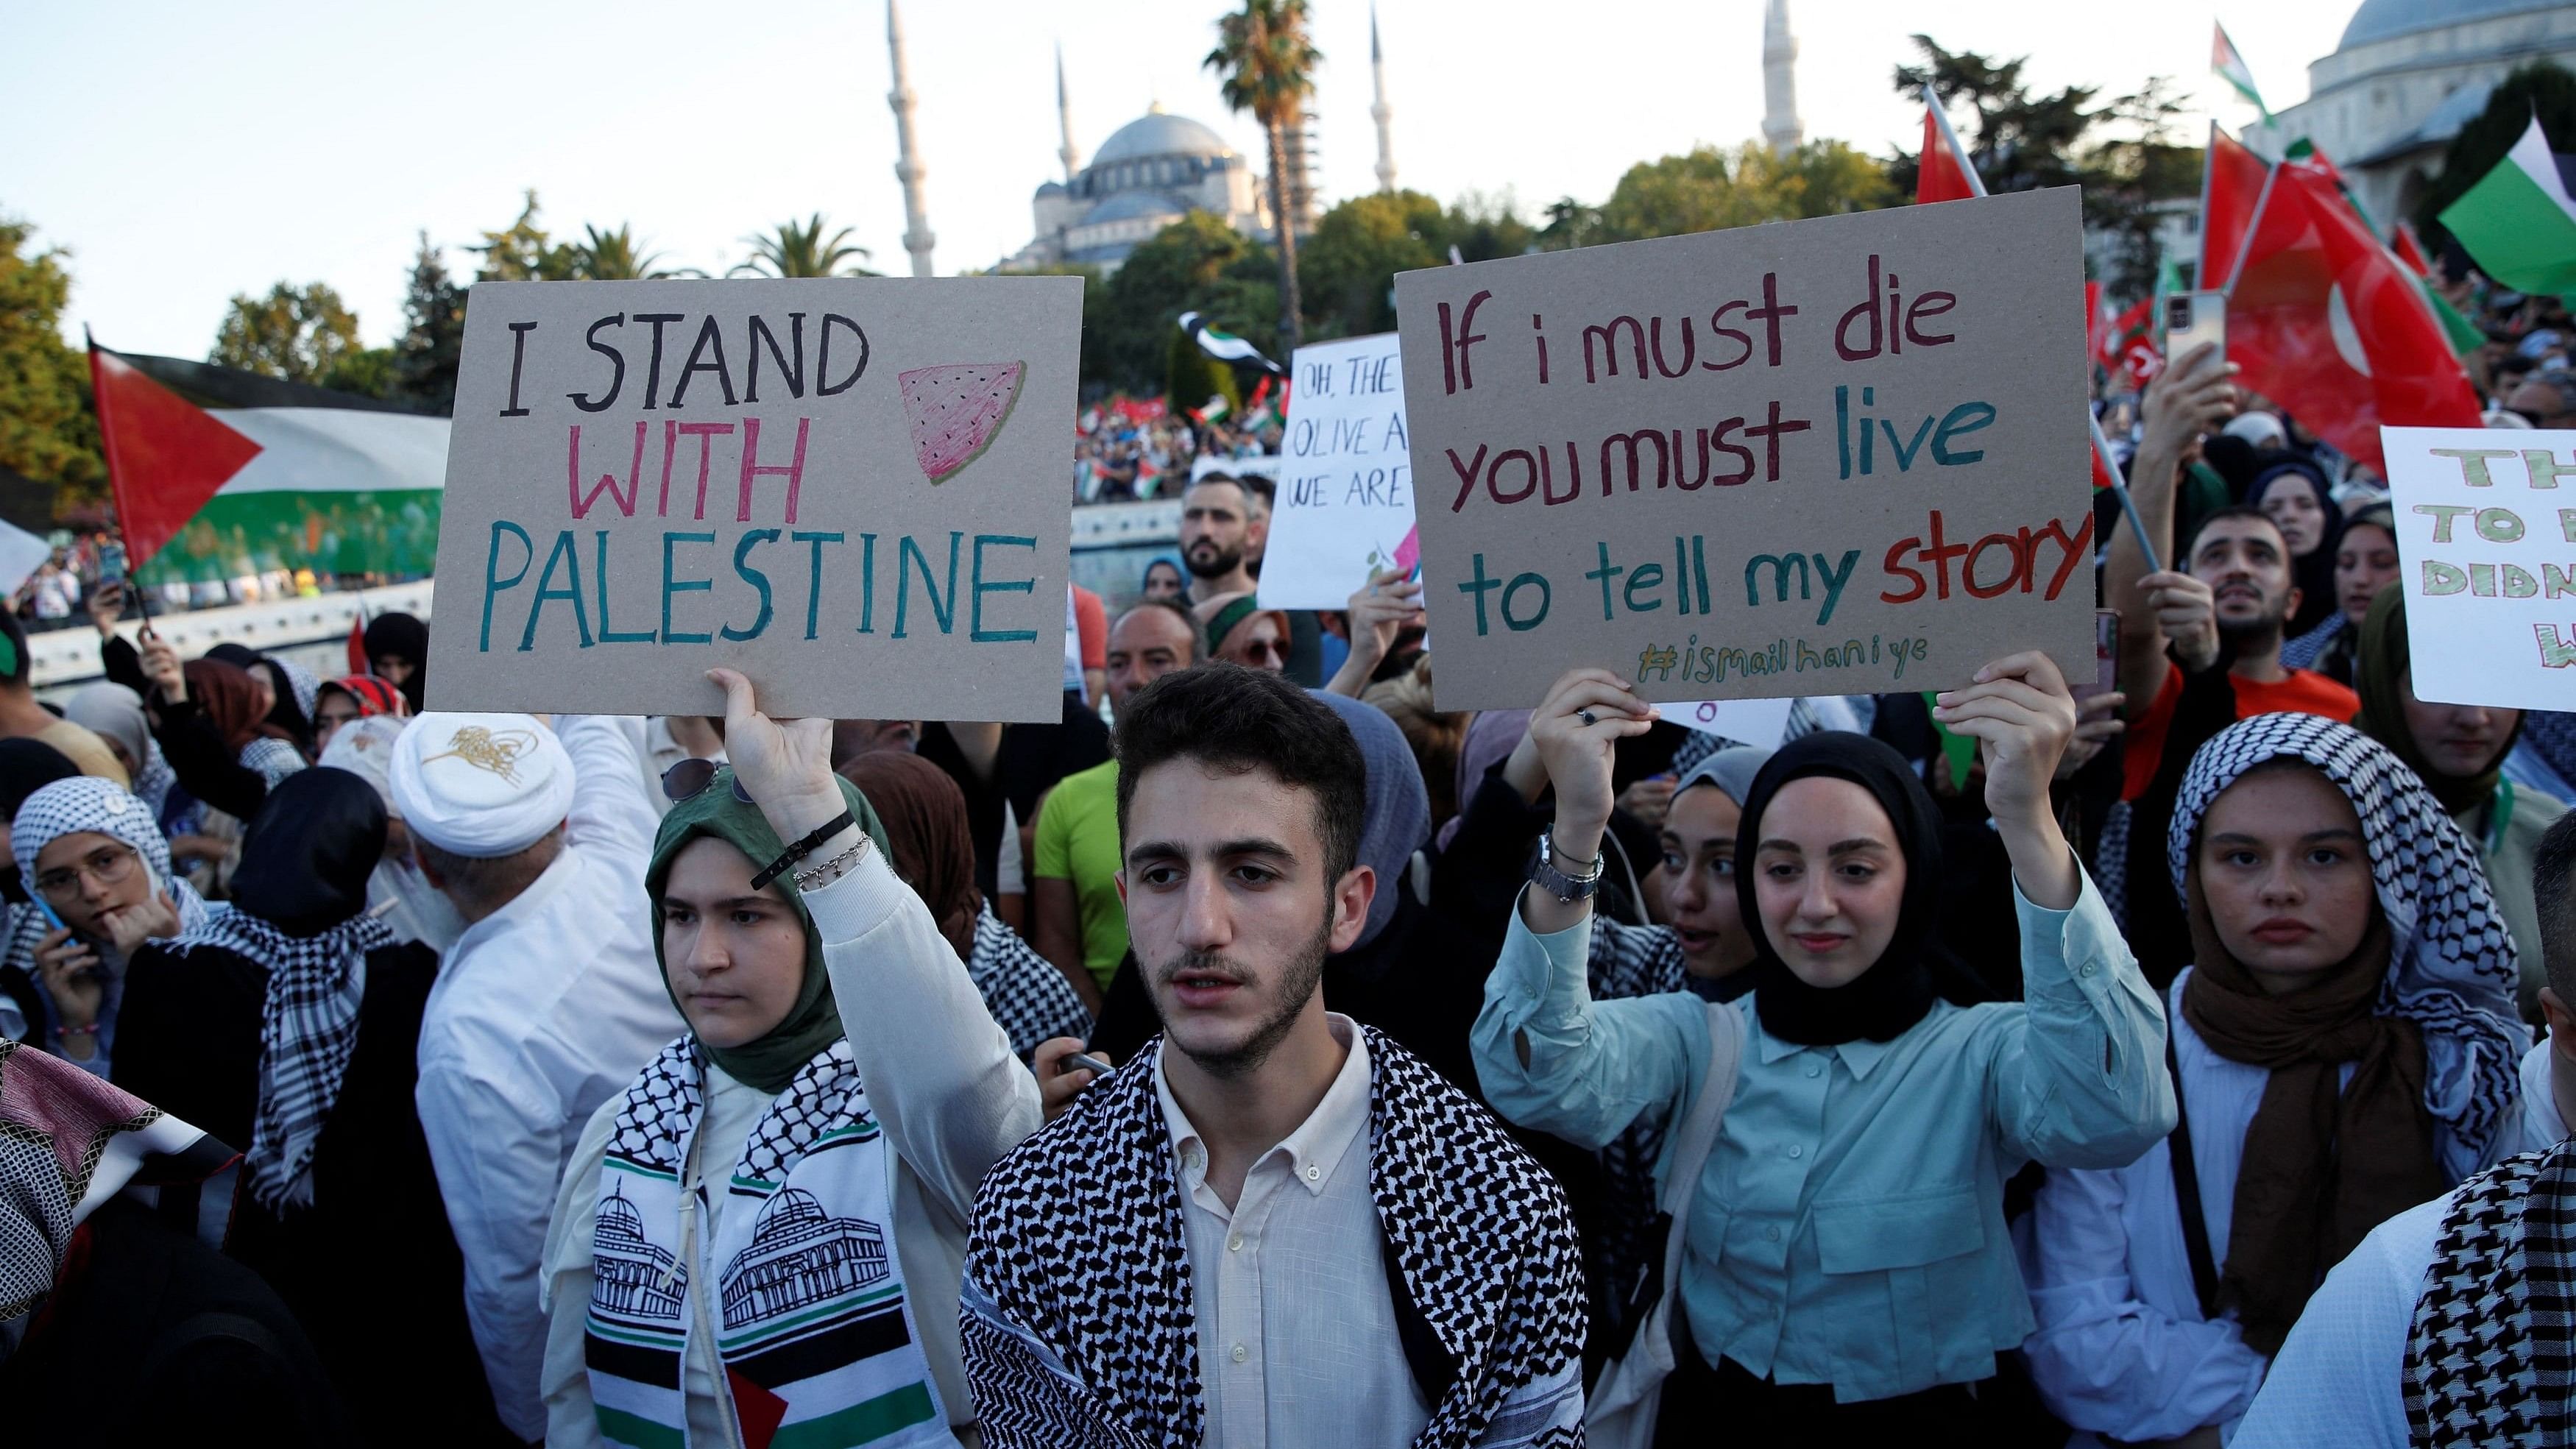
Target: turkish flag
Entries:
(1941, 176)
(165, 455)
(2410, 249)
(2322, 318)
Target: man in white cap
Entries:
(549, 1002)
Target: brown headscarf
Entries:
(2322, 1165)
(229, 698)
(929, 844)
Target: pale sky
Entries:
(186, 152)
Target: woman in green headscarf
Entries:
(751, 1238)
(2459, 751)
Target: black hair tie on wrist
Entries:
(803, 848)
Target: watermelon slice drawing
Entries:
(956, 410)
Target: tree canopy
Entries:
(297, 333)
(799, 249)
(46, 430)
(1196, 264)
(1265, 59)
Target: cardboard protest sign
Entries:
(853, 490)
(2488, 540)
(1838, 456)
(1345, 505)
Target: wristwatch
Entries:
(1546, 873)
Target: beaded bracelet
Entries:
(89, 1030)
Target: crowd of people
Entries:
(57, 593)
(1257, 1054)
(1125, 450)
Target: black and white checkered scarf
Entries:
(1078, 1325)
(308, 1031)
(1027, 995)
(2451, 963)
(2488, 1362)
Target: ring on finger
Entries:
(1586, 716)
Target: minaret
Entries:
(917, 238)
(1381, 112)
(1064, 119)
(1780, 123)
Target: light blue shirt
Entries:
(1849, 1226)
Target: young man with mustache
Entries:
(1273, 1227)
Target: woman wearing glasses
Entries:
(99, 872)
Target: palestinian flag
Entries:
(219, 473)
(1213, 410)
(2518, 222)
(2232, 68)
(2321, 316)
(1225, 346)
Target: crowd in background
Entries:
(1258, 1053)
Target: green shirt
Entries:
(1077, 841)
(2509, 855)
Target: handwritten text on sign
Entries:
(2490, 563)
(850, 489)
(1826, 457)
(1345, 481)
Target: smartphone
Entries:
(111, 564)
(52, 921)
(2106, 656)
(2192, 318)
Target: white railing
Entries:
(312, 632)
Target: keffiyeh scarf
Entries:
(308, 1031)
(1078, 1324)
(2451, 967)
(814, 1327)
(2488, 1355)
(2302, 652)
(1023, 990)
(86, 803)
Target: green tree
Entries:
(1706, 189)
(614, 256)
(2018, 139)
(47, 431)
(1348, 267)
(1267, 67)
(2141, 164)
(1191, 377)
(2538, 88)
(433, 332)
(523, 251)
(799, 249)
(298, 334)
(1570, 224)
(369, 372)
(1197, 264)
(1484, 227)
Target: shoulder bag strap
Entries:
(2186, 1181)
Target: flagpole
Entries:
(107, 448)
(1958, 153)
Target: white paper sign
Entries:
(2486, 525)
(1745, 721)
(1345, 477)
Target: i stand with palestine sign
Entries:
(851, 489)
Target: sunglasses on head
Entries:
(690, 778)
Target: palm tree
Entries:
(1268, 68)
(613, 256)
(799, 249)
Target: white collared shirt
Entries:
(1298, 1347)
(541, 1011)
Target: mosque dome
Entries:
(1158, 133)
(2378, 20)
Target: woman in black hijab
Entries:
(397, 648)
(293, 1021)
(2292, 492)
(1839, 1139)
